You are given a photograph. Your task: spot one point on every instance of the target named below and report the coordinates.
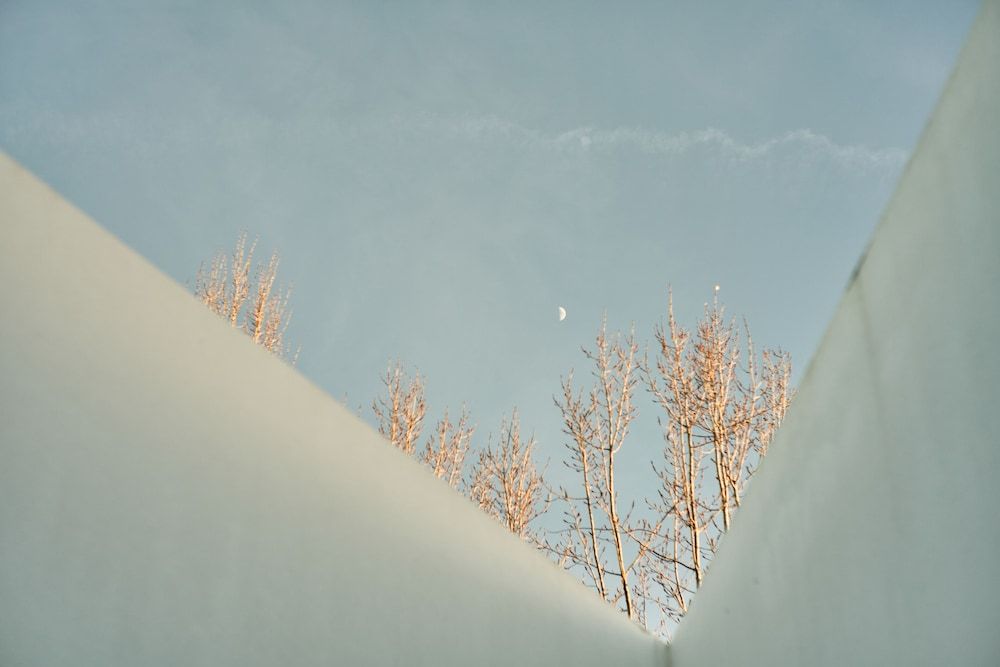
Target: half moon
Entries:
(562, 313)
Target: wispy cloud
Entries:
(801, 143)
(795, 145)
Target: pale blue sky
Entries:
(440, 177)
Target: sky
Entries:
(440, 177)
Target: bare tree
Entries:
(597, 422)
(446, 448)
(777, 390)
(400, 412)
(506, 483)
(225, 287)
(718, 417)
(268, 316)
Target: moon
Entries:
(562, 313)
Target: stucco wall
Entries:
(871, 535)
(170, 494)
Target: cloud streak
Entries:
(795, 145)
(800, 147)
(800, 144)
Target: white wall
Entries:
(871, 535)
(170, 494)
